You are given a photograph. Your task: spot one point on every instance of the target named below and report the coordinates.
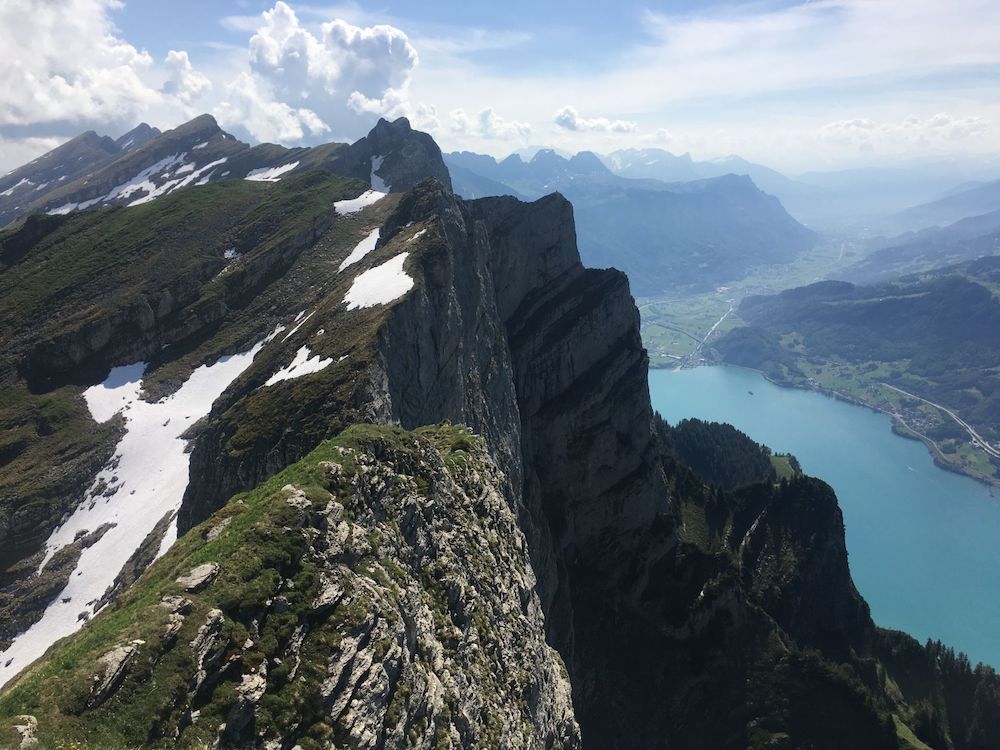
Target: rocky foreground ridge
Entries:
(422, 586)
(351, 601)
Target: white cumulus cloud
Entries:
(309, 84)
(487, 124)
(183, 81)
(569, 119)
(246, 108)
(64, 65)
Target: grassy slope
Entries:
(69, 271)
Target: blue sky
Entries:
(798, 85)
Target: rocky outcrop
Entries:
(199, 576)
(394, 155)
(26, 731)
(378, 594)
(114, 667)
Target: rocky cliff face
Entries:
(403, 586)
(507, 333)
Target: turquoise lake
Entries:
(924, 543)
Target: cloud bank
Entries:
(569, 119)
(802, 84)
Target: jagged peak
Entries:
(201, 121)
(137, 136)
(395, 156)
(547, 156)
(587, 160)
(400, 124)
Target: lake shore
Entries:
(921, 539)
(898, 424)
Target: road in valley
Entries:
(977, 439)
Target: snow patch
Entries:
(232, 254)
(298, 324)
(10, 191)
(354, 205)
(154, 192)
(417, 235)
(119, 390)
(380, 285)
(143, 482)
(361, 249)
(65, 208)
(377, 182)
(272, 174)
(304, 363)
(143, 183)
(200, 145)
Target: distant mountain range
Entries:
(658, 164)
(968, 200)
(668, 237)
(880, 199)
(929, 249)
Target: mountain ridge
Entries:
(146, 163)
(685, 615)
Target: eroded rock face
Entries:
(198, 577)
(509, 334)
(26, 729)
(378, 595)
(115, 665)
